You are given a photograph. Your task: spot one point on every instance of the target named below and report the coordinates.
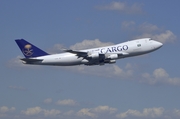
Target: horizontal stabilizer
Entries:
(31, 60)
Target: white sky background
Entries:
(142, 87)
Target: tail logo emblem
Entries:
(27, 50)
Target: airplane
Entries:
(95, 56)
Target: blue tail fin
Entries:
(29, 50)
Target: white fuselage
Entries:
(122, 50)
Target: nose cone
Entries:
(158, 44)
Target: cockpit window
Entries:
(150, 39)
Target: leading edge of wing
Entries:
(78, 53)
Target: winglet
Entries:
(29, 50)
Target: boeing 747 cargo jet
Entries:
(95, 56)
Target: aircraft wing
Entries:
(78, 53)
(85, 54)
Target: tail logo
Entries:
(28, 51)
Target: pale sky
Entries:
(142, 87)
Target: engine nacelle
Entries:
(113, 56)
(94, 55)
(112, 61)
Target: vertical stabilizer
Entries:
(29, 50)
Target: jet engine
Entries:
(94, 55)
(112, 61)
(112, 56)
